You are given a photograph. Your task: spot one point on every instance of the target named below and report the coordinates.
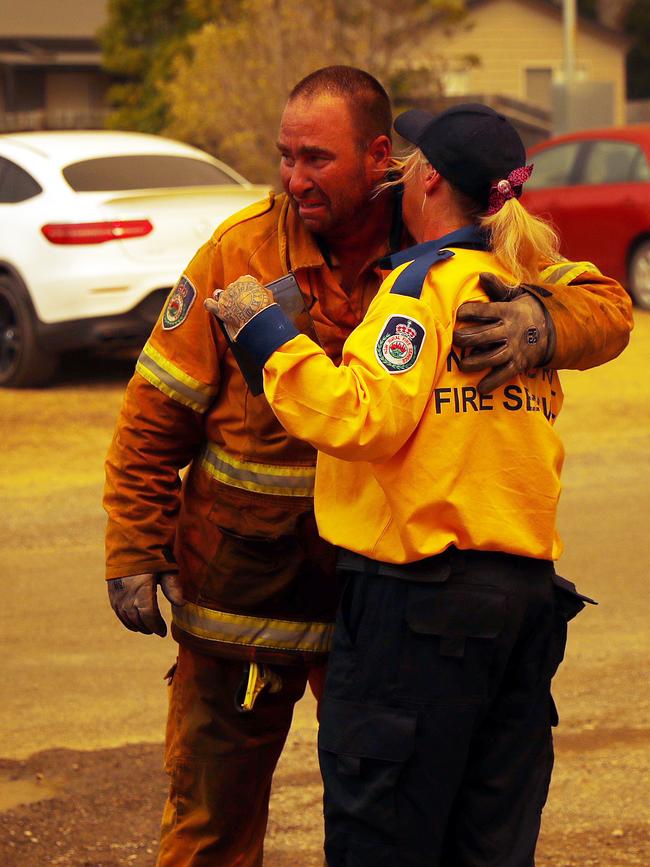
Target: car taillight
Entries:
(95, 233)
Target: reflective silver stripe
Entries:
(263, 478)
(555, 273)
(259, 632)
(174, 387)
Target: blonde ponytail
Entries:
(520, 241)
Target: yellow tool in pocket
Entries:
(257, 677)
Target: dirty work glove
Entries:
(238, 303)
(511, 334)
(135, 600)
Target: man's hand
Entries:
(238, 303)
(511, 334)
(135, 600)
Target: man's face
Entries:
(326, 174)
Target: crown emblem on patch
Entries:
(404, 328)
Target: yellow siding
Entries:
(38, 18)
(510, 36)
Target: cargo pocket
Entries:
(251, 515)
(568, 603)
(259, 553)
(449, 642)
(363, 749)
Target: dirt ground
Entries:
(82, 701)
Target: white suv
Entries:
(96, 229)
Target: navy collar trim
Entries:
(468, 237)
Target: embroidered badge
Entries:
(399, 343)
(178, 304)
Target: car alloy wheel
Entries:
(9, 337)
(639, 276)
(23, 362)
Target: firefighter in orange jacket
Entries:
(234, 547)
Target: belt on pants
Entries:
(430, 569)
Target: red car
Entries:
(595, 187)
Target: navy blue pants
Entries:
(435, 739)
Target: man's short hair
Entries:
(368, 101)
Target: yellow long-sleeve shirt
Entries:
(411, 458)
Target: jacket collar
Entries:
(300, 249)
(468, 237)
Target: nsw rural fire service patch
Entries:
(399, 343)
(178, 305)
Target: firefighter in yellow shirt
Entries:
(435, 740)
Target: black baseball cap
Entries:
(470, 144)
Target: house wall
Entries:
(44, 18)
(519, 44)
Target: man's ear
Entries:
(431, 180)
(380, 152)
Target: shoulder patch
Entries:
(248, 213)
(399, 343)
(178, 304)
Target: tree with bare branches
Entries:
(227, 91)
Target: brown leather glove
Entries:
(511, 334)
(135, 600)
(238, 303)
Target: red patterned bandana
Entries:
(508, 188)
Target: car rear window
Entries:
(142, 172)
